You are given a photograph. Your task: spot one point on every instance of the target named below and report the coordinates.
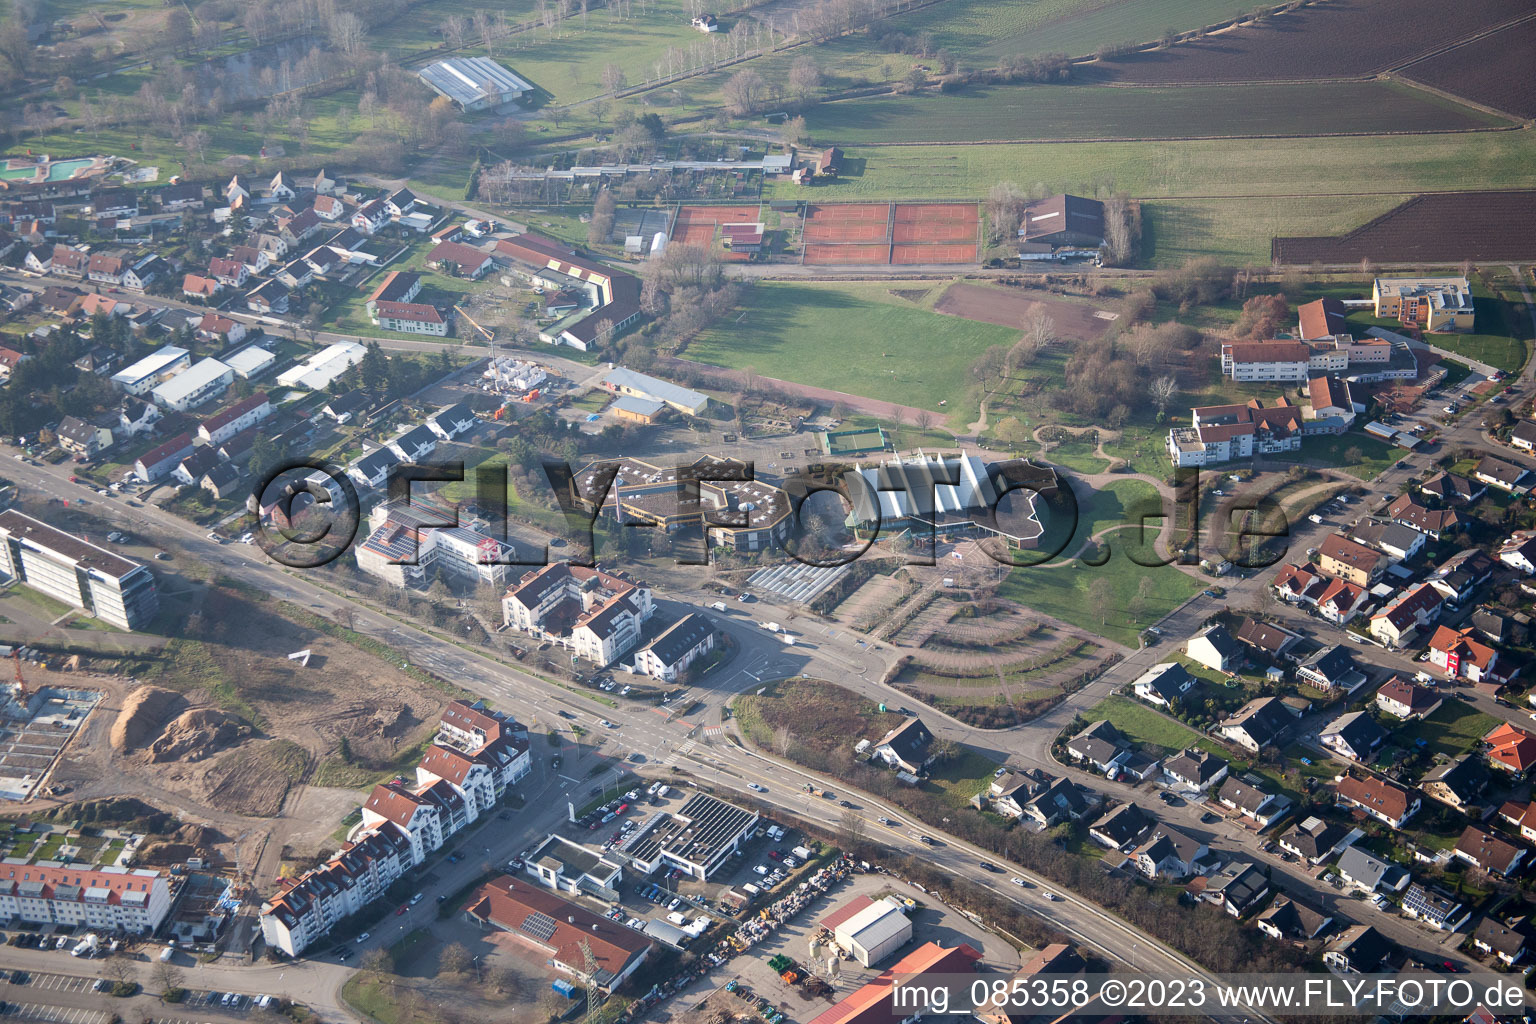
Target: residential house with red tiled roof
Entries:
(1383, 800)
(1489, 851)
(1456, 653)
(1511, 749)
(417, 816)
(1402, 618)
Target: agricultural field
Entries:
(1435, 229)
(1348, 39)
(1202, 169)
(854, 338)
(1052, 112)
(1242, 231)
(1493, 70)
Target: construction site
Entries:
(36, 724)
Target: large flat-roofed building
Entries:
(640, 385)
(948, 495)
(566, 932)
(102, 898)
(77, 572)
(160, 365)
(571, 867)
(474, 83)
(1433, 303)
(747, 515)
(696, 840)
(323, 367)
(870, 930)
(202, 382)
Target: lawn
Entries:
(1077, 454)
(854, 338)
(1132, 596)
(35, 602)
(1451, 730)
(1502, 327)
(1197, 168)
(962, 776)
(1144, 725)
(1017, 112)
(1375, 455)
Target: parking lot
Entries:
(43, 982)
(58, 1014)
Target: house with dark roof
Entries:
(1359, 949)
(1400, 620)
(1121, 827)
(1507, 942)
(1506, 476)
(1433, 906)
(1332, 670)
(1518, 551)
(1489, 851)
(1162, 684)
(1434, 523)
(1061, 800)
(1315, 839)
(1246, 798)
(1407, 700)
(1402, 543)
(1100, 745)
(414, 444)
(1171, 855)
(1291, 919)
(1458, 783)
(1377, 797)
(1198, 769)
(1063, 219)
(1360, 868)
(1452, 488)
(1239, 888)
(373, 470)
(1214, 648)
(1011, 791)
(451, 421)
(907, 747)
(1458, 577)
(1272, 641)
(1354, 735)
(1262, 722)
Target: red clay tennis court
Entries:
(696, 224)
(848, 222)
(936, 222)
(907, 255)
(852, 254)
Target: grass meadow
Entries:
(855, 338)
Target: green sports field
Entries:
(1101, 112)
(855, 338)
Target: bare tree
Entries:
(118, 970)
(454, 28)
(926, 420)
(1005, 205)
(455, 959)
(1162, 390)
(168, 977)
(346, 32)
(1122, 231)
(613, 78)
(744, 92)
(377, 962)
(804, 78)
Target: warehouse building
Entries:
(869, 930)
(202, 382)
(82, 575)
(160, 365)
(474, 83)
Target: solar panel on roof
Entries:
(540, 926)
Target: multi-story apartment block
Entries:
(1432, 303)
(77, 572)
(1221, 433)
(135, 900)
(596, 614)
(493, 739)
(307, 907)
(407, 544)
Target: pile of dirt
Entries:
(144, 711)
(198, 734)
(190, 840)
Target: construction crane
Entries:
(21, 684)
(488, 334)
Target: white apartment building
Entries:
(77, 572)
(596, 614)
(202, 382)
(1222, 433)
(407, 545)
(160, 365)
(133, 900)
(309, 906)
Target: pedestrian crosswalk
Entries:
(714, 730)
(681, 752)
